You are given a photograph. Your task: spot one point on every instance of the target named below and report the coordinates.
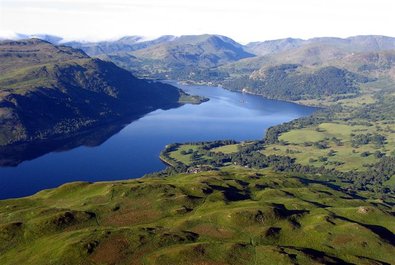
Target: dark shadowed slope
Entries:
(48, 90)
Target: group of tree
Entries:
(292, 82)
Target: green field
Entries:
(185, 159)
(302, 135)
(227, 149)
(349, 156)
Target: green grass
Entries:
(295, 146)
(185, 159)
(302, 135)
(174, 220)
(227, 149)
(322, 131)
(390, 182)
(349, 156)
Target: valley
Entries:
(248, 180)
(130, 148)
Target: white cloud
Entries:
(244, 20)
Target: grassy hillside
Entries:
(231, 216)
(48, 90)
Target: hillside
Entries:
(48, 90)
(366, 55)
(373, 43)
(294, 82)
(273, 46)
(231, 216)
(203, 50)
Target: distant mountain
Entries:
(216, 58)
(50, 38)
(184, 57)
(124, 44)
(48, 90)
(273, 46)
(18, 36)
(309, 54)
(351, 44)
(196, 50)
(367, 55)
(366, 43)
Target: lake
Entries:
(124, 151)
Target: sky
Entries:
(242, 20)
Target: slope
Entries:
(48, 90)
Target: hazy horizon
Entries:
(19, 36)
(244, 21)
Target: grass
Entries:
(227, 149)
(174, 220)
(24, 79)
(185, 159)
(349, 156)
(191, 99)
(323, 131)
(300, 144)
(390, 182)
(302, 135)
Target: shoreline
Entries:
(165, 161)
(189, 83)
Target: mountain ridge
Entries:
(48, 90)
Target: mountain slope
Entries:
(202, 50)
(352, 44)
(228, 217)
(273, 46)
(48, 90)
(294, 82)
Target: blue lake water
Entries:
(134, 150)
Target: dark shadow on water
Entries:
(13, 155)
